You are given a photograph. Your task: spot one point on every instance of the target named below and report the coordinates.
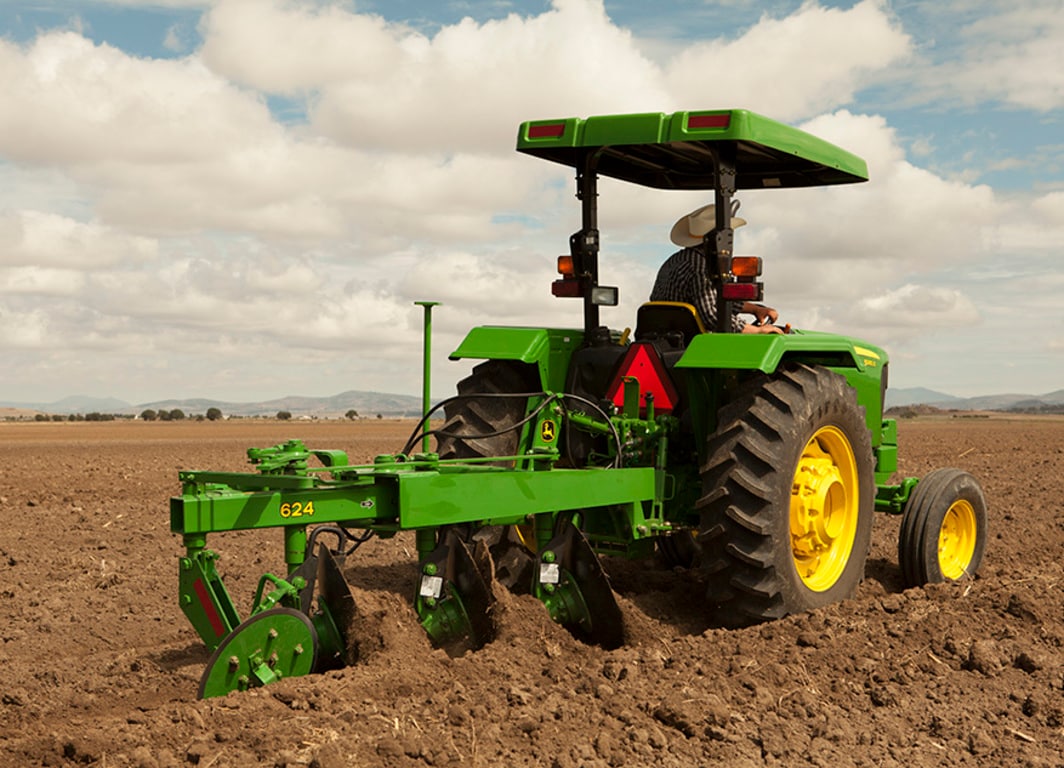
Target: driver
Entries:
(684, 276)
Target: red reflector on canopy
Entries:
(549, 131)
(643, 363)
(708, 121)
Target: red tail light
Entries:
(742, 291)
(568, 288)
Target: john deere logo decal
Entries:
(547, 431)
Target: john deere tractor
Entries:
(757, 458)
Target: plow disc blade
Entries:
(454, 601)
(572, 584)
(338, 610)
(271, 645)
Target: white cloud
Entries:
(42, 238)
(983, 51)
(157, 3)
(1013, 56)
(161, 213)
(293, 48)
(41, 281)
(74, 103)
(1051, 208)
(920, 307)
(835, 247)
(465, 89)
(173, 41)
(792, 67)
(169, 147)
(23, 330)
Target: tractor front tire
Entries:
(788, 497)
(943, 529)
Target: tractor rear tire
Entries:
(472, 420)
(943, 530)
(788, 497)
(468, 420)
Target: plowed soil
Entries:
(99, 667)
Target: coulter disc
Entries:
(277, 643)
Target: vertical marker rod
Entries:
(426, 372)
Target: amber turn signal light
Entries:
(746, 266)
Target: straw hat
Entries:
(690, 229)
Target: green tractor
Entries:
(758, 459)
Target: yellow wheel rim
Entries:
(526, 534)
(825, 505)
(956, 540)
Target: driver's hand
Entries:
(763, 314)
(751, 328)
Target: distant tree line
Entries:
(148, 414)
(94, 416)
(173, 414)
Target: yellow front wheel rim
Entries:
(825, 505)
(956, 540)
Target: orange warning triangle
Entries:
(644, 364)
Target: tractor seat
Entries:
(673, 321)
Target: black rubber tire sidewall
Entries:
(469, 417)
(747, 479)
(922, 522)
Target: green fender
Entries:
(764, 352)
(549, 349)
(864, 365)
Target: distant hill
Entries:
(365, 403)
(917, 396)
(1049, 402)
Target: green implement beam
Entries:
(420, 498)
(227, 509)
(431, 498)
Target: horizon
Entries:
(273, 402)
(317, 167)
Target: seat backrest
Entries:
(662, 319)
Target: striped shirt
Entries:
(685, 277)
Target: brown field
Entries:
(99, 667)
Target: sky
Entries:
(242, 199)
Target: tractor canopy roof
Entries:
(679, 151)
